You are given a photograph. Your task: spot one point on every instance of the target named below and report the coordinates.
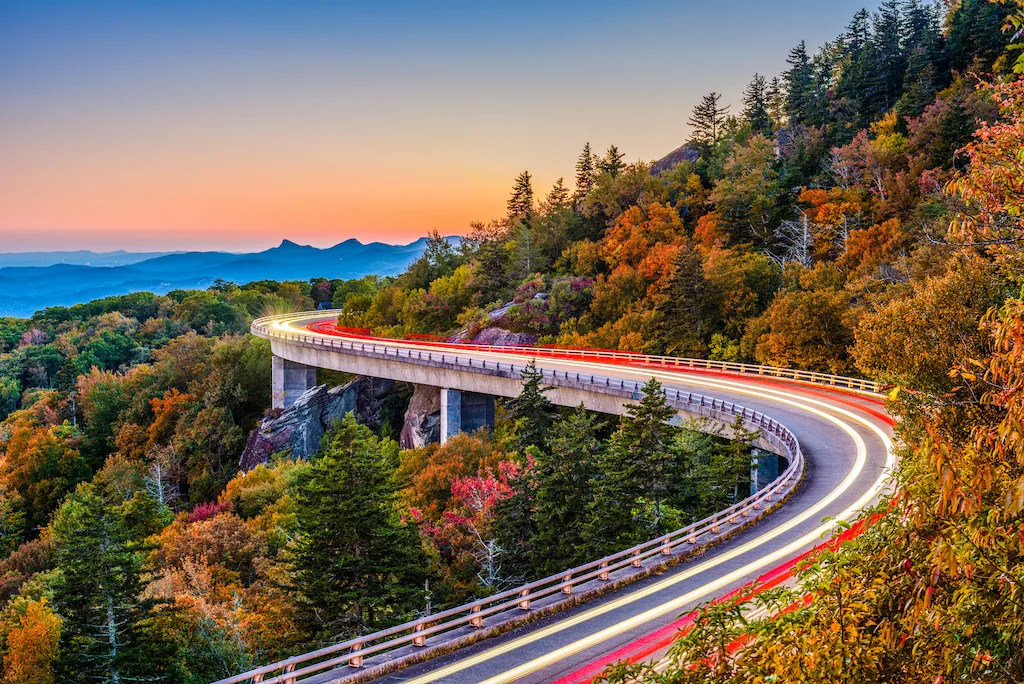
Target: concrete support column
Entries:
(289, 381)
(765, 467)
(451, 413)
(464, 412)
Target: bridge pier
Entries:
(464, 412)
(289, 381)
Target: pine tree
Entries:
(531, 411)
(106, 634)
(755, 106)
(636, 475)
(889, 59)
(585, 171)
(356, 566)
(707, 120)
(776, 100)
(799, 78)
(558, 197)
(563, 492)
(927, 68)
(520, 204)
(690, 311)
(612, 162)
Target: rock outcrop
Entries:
(300, 427)
(686, 153)
(499, 336)
(422, 419)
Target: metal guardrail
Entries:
(439, 626)
(827, 379)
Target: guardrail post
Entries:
(419, 640)
(666, 548)
(290, 668)
(525, 603)
(636, 563)
(476, 620)
(354, 661)
(603, 576)
(567, 589)
(257, 679)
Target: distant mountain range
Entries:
(36, 280)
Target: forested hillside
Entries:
(859, 213)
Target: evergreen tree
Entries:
(755, 106)
(721, 475)
(562, 497)
(975, 34)
(585, 170)
(612, 162)
(889, 60)
(520, 204)
(707, 120)
(776, 100)
(690, 311)
(531, 411)
(106, 633)
(927, 67)
(558, 197)
(493, 277)
(356, 567)
(799, 78)
(516, 528)
(636, 475)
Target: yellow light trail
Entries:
(679, 602)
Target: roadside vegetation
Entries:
(859, 214)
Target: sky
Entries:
(152, 125)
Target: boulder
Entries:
(500, 336)
(300, 427)
(422, 424)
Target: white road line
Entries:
(780, 396)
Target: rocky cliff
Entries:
(300, 427)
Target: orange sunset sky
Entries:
(232, 125)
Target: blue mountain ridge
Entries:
(27, 288)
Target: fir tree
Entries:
(516, 527)
(520, 204)
(356, 566)
(563, 492)
(558, 197)
(755, 106)
(776, 100)
(612, 162)
(106, 634)
(636, 475)
(531, 411)
(707, 120)
(690, 311)
(889, 60)
(585, 170)
(800, 100)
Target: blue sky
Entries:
(235, 124)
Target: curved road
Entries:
(846, 441)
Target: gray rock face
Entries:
(500, 336)
(422, 419)
(300, 427)
(686, 153)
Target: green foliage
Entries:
(531, 411)
(107, 632)
(562, 477)
(356, 566)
